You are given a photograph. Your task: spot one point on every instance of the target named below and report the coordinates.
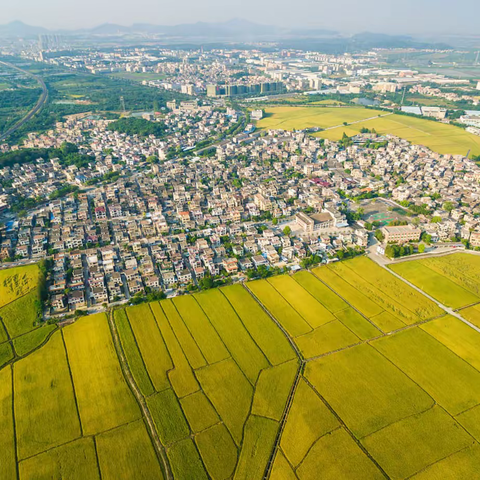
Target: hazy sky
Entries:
(388, 16)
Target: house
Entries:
(76, 299)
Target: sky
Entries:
(349, 16)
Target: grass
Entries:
(325, 339)
(168, 417)
(7, 432)
(127, 452)
(410, 445)
(181, 377)
(260, 326)
(76, 461)
(151, 345)
(359, 325)
(451, 381)
(463, 464)
(439, 137)
(281, 469)
(308, 420)
(132, 353)
(199, 412)
(272, 390)
(354, 297)
(458, 337)
(404, 295)
(378, 393)
(239, 343)
(286, 315)
(6, 353)
(336, 455)
(188, 344)
(311, 310)
(16, 282)
(439, 287)
(230, 393)
(202, 330)
(20, 316)
(185, 461)
(256, 449)
(104, 399)
(320, 291)
(31, 340)
(45, 412)
(218, 451)
(470, 420)
(296, 118)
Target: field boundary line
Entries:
(440, 459)
(289, 401)
(344, 425)
(160, 451)
(96, 456)
(348, 303)
(73, 383)
(248, 331)
(14, 423)
(339, 427)
(139, 352)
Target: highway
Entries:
(35, 109)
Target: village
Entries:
(155, 215)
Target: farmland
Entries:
(437, 136)
(324, 371)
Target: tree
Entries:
(287, 231)
(448, 206)
(275, 221)
(379, 236)
(421, 248)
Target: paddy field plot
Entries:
(410, 445)
(378, 393)
(150, 342)
(45, 409)
(450, 380)
(76, 460)
(104, 399)
(264, 332)
(286, 315)
(16, 282)
(297, 118)
(126, 452)
(132, 353)
(439, 137)
(438, 286)
(7, 429)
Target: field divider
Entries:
(348, 303)
(344, 425)
(160, 451)
(73, 384)
(95, 446)
(291, 395)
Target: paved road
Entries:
(449, 310)
(35, 109)
(357, 121)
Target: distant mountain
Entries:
(20, 29)
(235, 29)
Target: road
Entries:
(35, 109)
(357, 121)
